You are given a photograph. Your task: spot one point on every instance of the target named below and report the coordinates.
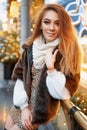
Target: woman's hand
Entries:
(50, 60)
(26, 118)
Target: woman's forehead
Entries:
(51, 14)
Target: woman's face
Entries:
(50, 25)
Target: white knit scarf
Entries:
(40, 49)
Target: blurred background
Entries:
(16, 24)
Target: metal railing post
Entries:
(79, 116)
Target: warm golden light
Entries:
(14, 9)
(36, 5)
(64, 123)
(4, 115)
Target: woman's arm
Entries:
(20, 98)
(56, 85)
(60, 86)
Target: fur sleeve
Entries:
(18, 69)
(72, 83)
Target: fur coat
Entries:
(46, 107)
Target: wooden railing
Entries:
(79, 116)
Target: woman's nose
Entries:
(51, 26)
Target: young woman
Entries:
(48, 70)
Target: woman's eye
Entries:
(46, 22)
(57, 24)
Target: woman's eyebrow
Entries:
(50, 19)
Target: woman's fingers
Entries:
(30, 117)
(27, 125)
(30, 125)
(55, 53)
(50, 59)
(26, 118)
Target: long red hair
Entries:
(69, 46)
